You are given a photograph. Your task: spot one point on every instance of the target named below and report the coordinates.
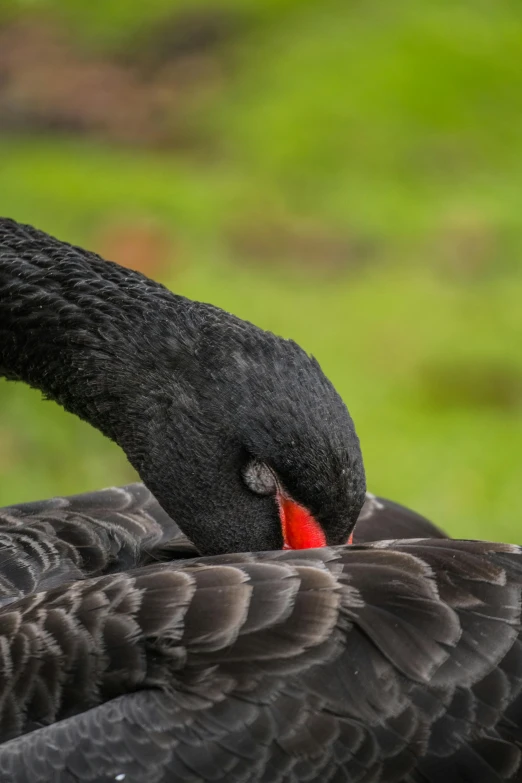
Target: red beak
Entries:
(300, 529)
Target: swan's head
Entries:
(248, 446)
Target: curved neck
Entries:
(85, 331)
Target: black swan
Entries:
(399, 660)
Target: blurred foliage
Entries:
(357, 186)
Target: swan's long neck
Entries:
(86, 332)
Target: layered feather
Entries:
(399, 661)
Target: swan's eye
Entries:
(259, 478)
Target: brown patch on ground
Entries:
(142, 245)
(10, 449)
(300, 244)
(467, 246)
(48, 82)
(471, 383)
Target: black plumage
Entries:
(60, 539)
(396, 661)
(127, 653)
(191, 393)
(380, 519)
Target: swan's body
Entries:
(399, 661)
(124, 656)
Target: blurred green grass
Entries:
(399, 127)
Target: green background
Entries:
(357, 185)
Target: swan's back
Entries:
(399, 661)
